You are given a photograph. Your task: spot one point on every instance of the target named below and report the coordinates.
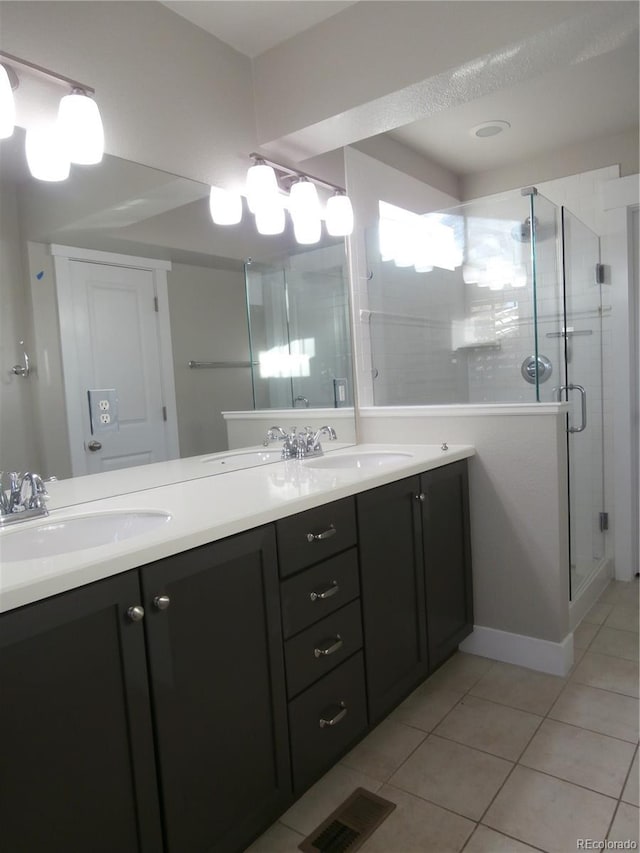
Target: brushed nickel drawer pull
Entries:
(328, 647)
(326, 593)
(339, 713)
(326, 534)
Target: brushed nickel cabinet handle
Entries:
(325, 593)
(333, 715)
(326, 534)
(328, 647)
(161, 602)
(421, 496)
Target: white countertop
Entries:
(202, 510)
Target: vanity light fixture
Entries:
(77, 135)
(273, 188)
(262, 185)
(8, 82)
(339, 217)
(46, 154)
(80, 127)
(270, 219)
(225, 206)
(304, 207)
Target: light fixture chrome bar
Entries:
(40, 71)
(295, 173)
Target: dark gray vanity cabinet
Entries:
(393, 592)
(77, 766)
(217, 682)
(415, 567)
(446, 546)
(182, 706)
(322, 626)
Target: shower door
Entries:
(583, 389)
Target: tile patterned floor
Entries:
(486, 757)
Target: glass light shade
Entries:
(304, 208)
(7, 105)
(47, 155)
(270, 219)
(339, 216)
(81, 128)
(262, 186)
(225, 206)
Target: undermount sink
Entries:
(77, 533)
(246, 459)
(370, 459)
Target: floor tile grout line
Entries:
(591, 731)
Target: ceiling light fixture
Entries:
(489, 128)
(78, 136)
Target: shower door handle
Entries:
(583, 404)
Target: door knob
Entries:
(94, 445)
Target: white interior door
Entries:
(111, 339)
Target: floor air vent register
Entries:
(349, 826)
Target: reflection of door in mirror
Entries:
(113, 336)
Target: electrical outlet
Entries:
(103, 410)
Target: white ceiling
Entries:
(253, 26)
(578, 101)
(567, 106)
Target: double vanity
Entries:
(179, 664)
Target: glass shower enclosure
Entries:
(497, 301)
(299, 332)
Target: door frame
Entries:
(76, 414)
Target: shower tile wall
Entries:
(412, 315)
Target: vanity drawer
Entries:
(322, 589)
(325, 720)
(314, 535)
(322, 647)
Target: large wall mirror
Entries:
(117, 282)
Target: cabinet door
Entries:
(218, 693)
(77, 768)
(392, 591)
(447, 558)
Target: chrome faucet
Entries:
(312, 446)
(299, 445)
(25, 498)
(289, 439)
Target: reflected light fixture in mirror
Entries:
(272, 188)
(225, 206)
(46, 153)
(304, 207)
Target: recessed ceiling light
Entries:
(489, 128)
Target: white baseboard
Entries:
(587, 597)
(543, 655)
